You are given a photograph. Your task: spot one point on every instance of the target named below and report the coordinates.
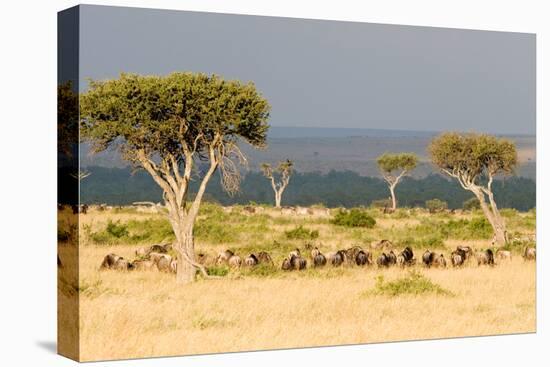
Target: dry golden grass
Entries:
(144, 314)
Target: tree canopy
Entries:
(470, 157)
(163, 116)
(389, 162)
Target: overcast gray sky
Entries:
(328, 73)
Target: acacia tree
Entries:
(284, 171)
(474, 160)
(167, 125)
(393, 167)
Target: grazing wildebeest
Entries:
(530, 253)
(485, 257)
(113, 261)
(351, 254)
(337, 258)
(504, 254)
(297, 262)
(234, 261)
(315, 252)
(468, 252)
(264, 258)
(158, 248)
(249, 209)
(251, 260)
(361, 258)
(440, 262)
(319, 260)
(286, 264)
(143, 264)
(224, 256)
(163, 263)
(428, 258)
(392, 258)
(458, 257)
(383, 260)
(405, 257)
(295, 252)
(156, 256)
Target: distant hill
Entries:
(339, 149)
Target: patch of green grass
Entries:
(216, 270)
(354, 218)
(413, 284)
(301, 233)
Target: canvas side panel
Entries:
(67, 189)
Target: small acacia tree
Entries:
(474, 160)
(167, 125)
(284, 171)
(394, 167)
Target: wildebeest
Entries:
(156, 256)
(288, 210)
(286, 264)
(351, 254)
(143, 264)
(315, 252)
(302, 211)
(405, 257)
(428, 258)
(530, 253)
(297, 262)
(234, 261)
(295, 252)
(251, 260)
(319, 260)
(392, 259)
(458, 257)
(362, 258)
(249, 209)
(485, 257)
(163, 263)
(162, 249)
(337, 258)
(174, 266)
(202, 258)
(113, 261)
(383, 260)
(504, 254)
(468, 252)
(264, 258)
(224, 256)
(440, 262)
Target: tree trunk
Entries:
(186, 271)
(494, 219)
(393, 199)
(278, 200)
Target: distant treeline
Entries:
(119, 186)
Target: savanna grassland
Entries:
(145, 313)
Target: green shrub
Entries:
(219, 271)
(353, 218)
(414, 283)
(471, 204)
(436, 205)
(301, 233)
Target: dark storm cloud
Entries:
(327, 73)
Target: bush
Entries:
(414, 283)
(471, 204)
(301, 233)
(436, 205)
(134, 232)
(353, 218)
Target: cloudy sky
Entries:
(329, 73)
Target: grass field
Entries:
(142, 314)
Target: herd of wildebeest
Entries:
(157, 257)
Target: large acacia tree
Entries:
(283, 171)
(393, 167)
(168, 125)
(475, 160)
